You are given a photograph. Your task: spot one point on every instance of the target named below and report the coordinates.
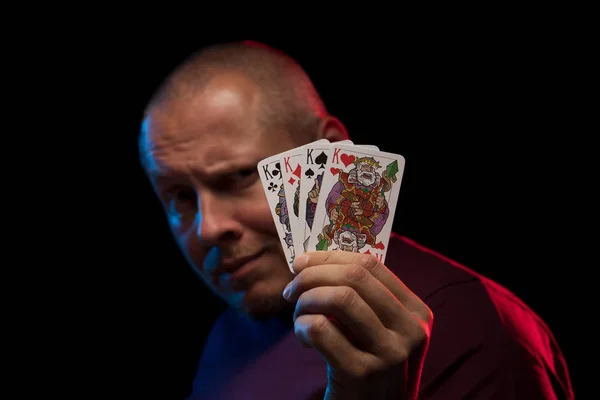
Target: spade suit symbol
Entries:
(321, 159)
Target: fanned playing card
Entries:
(366, 146)
(312, 166)
(270, 171)
(356, 208)
(291, 179)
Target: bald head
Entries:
(288, 99)
(204, 134)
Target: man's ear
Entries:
(332, 129)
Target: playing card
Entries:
(312, 165)
(271, 171)
(366, 146)
(356, 208)
(291, 177)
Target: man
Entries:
(344, 326)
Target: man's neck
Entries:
(254, 334)
(282, 320)
(286, 317)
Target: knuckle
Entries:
(395, 351)
(303, 301)
(359, 369)
(421, 333)
(302, 279)
(326, 257)
(297, 284)
(399, 356)
(417, 336)
(356, 273)
(412, 340)
(344, 297)
(316, 327)
(369, 262)
(426, 315)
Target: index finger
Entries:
(314, 258)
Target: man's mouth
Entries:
(230, 265)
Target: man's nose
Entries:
(216, 223)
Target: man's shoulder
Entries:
(475, 318)
(423, 270)
(442, 282)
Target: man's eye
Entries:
(182, 195)
(243, 176)
(245, 173)
(187, 196)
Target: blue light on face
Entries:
(174, 219)
(211, 261)
(199, 221)
(145, 145)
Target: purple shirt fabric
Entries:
(485, 343)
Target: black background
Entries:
(479, 116)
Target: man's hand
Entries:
(372, 331)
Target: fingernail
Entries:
(287, 290)
(300, 263)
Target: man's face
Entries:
(201, 155)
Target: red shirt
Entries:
(485, 343)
